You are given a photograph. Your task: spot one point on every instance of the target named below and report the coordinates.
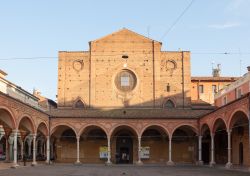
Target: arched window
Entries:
(169, 104)
(79, 104)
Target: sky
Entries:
(33, 29)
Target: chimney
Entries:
(2, 74)
(216, 71)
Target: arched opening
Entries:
(220, 142)
(169, 104)
(239, 126)
(184, 145)
(93, 145)
(63, 144)
(79, 104)
(25, 128)
(28, 147)
(42, 133)
(7, 124)
(124, 140)
(154, 145)
(206, 144)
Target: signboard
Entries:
(145, 152)
(103, 152)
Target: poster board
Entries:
(145, 152)
(103, 152)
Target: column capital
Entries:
(229, 131)
(78, 137)
(34, 135)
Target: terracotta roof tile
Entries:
(129, 113)
(211, 78)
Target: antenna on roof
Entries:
(216, 71)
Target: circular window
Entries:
(125, 80)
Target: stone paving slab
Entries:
(118, 170)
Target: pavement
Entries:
(117, 170)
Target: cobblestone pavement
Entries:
(118, 170)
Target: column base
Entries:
(199, 163)
(108, 163)
(212, 164)
(14, 166)
(47, 162)
(34, 163)
(229, 165)
(139, 163)
(170, 163)
(78, 163)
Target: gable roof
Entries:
(125, 30)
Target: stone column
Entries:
(200, 162)
(78, 150)
(139, 162)
(11, 148)
(34, 150)
(109, 152)
(229, 148)
(212, 162)
(15, 149)
(170, 162)
(48, 150)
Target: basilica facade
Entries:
(125, 101)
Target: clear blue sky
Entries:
(42, 28)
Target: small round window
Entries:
(125, 80)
